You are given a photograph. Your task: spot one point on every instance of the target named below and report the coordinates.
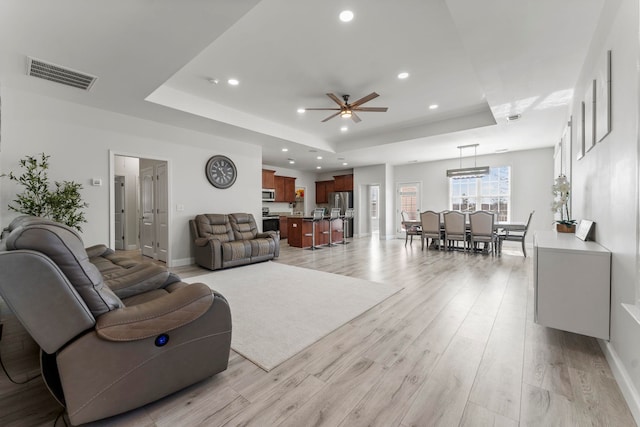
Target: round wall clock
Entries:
(221, 172)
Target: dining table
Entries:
(497, 227)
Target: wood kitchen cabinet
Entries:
(323, 188)
(343, 182)
(284, 232)
(285, 188)
(268, 179)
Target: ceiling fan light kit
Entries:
(347, 110)
(468, 172)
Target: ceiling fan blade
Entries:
(355, 117)
(364, 99)
(323, 109)
(331, 117)
(378, 109)
(336, 99)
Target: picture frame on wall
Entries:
(590, 116)
(603, 98)
(580, 131)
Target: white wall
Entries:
(531, 181)
(79, 138)
(605, 184)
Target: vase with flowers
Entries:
(561, 190)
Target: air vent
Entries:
(58, 74)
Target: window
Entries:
(408, 194)
(488, 193)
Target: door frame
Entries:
(400, 233)
(112, 220)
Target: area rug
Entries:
(278, 310)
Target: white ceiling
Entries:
(480, 61)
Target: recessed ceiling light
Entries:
(344, 128)
(403, 75)
(346, 16)
(319, 157)
(291, 161)
(233, 82)
(433, 106)
(318, 167)
(301, 110)
(513, 117)
(344, 163)
(285, 149)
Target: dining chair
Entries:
(412, 228)
(430, 222)
(455, 228)
(481, 230)
(517, 235)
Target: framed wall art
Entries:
(579, 126)
(590, 116)
(603, 98)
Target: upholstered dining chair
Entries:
(481, 230)
(430, 221)
(411, 229)
(454, 228)
(517, 236)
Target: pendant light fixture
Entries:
(469, 172)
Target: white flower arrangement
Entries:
(561, 190)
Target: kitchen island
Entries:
(299, 231)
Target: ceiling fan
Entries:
(347, 110)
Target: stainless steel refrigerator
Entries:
(342, 200)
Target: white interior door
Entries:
(162, 211)
(147, 227)
(119, 212)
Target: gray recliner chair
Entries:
(103, 355)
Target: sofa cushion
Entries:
(236, 250)
(243, 225)
(262, 247)
(214, 226)
(65, 248)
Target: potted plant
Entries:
(62, 204)
(561, 190)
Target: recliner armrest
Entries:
(204, 241)
(267, 234)
(98, 250)
(158, 316)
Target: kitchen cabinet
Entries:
(285, 188)
(268, 179)
(343, 183)
(300, 232)
(284, 232)
(323, 188)
(572, 284)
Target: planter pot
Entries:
(563, 228)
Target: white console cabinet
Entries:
(572, 282)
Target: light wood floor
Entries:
(456, 347)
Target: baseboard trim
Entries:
(182, 262)
(629, 391)
(132, 247)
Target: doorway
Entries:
(374, 211)
(407, 201)
(140, 200)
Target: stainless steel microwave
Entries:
(268, 195)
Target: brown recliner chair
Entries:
(102, 355)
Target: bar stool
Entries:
(334, 215)
(348, 214)
(318, 214)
